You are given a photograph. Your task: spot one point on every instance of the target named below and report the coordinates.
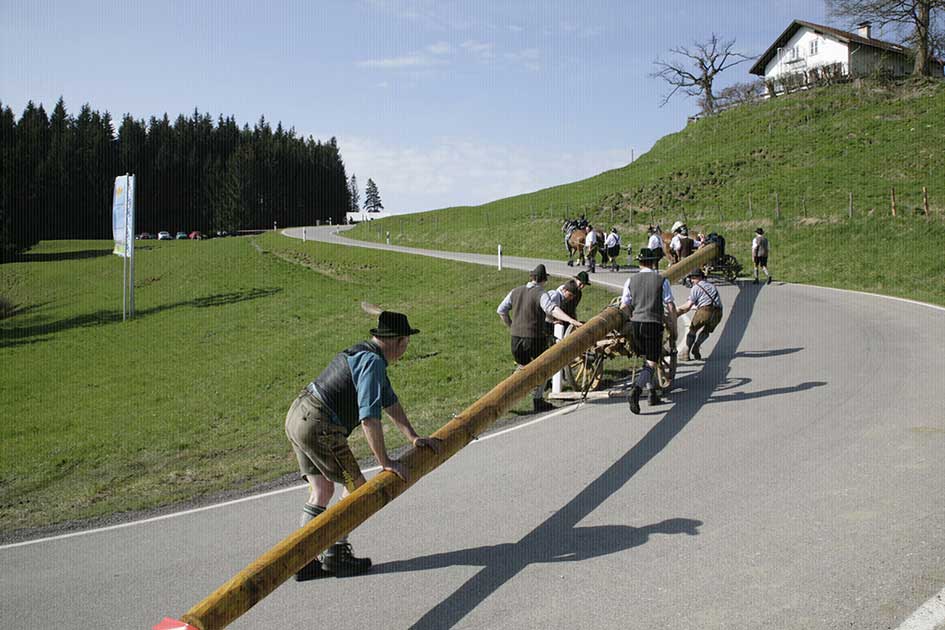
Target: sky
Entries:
(440, 102)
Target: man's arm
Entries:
(399, 417)
(504, 309)
(559, 314)
(374, 434)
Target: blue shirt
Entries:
(369, 373)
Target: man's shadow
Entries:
(578, 543)
(502, 563)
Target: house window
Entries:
(813, 47)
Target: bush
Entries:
(6, 307)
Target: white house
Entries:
(806, 52)
(363, 215)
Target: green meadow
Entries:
(788, 165)
(188, 399)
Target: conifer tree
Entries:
(372, 198)
(355, 194)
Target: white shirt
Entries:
(756, 242)
(655, 242)
(591, 238)
(675, 244)
(627, 299)
(612, 240)
(704, 293)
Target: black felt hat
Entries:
(759, 231)
(539, 273)
(583, 277)
(391, 324)
(697, 273)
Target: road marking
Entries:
(929, 616)
(154, 519)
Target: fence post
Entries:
(750, 213)
(777, 206)
(893, 195)
(850, 207)
(925, 200)
(804, 205)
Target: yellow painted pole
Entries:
(271, 569)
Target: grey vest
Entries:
(528, 320)
(646, 292)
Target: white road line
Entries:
(929, 616)
(263, 495)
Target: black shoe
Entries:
(755, 281)
(340, 562)
(654, 398)
(695, 354)
(769, 280)
(635, 400)
(312, 571)
(540, 404)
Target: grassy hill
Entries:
(804, 153)
(189, 398)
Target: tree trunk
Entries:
(921, 67)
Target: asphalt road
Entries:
(795, 480)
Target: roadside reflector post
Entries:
(500, 256)
(268, 571)
(556, 379)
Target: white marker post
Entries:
(556, 379)
(303, 234)
(500, 256)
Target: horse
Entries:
(575, 243)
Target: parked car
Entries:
(145, 236)
(164, 236)
(195, 235)
(181, 236)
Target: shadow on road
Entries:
(577, 543)
(499, 568)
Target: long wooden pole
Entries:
(271, 569)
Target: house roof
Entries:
(843, 36)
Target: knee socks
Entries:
(690, 339)
(309, 512)
(703, 335)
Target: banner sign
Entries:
(123, 215)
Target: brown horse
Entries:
(575, 243)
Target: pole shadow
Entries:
(500, 568)
(73, 255)
(578, 543)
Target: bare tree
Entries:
(917, 17)
(694, 70)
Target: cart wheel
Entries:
(666, 368)
(586, 371)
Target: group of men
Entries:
(354, 390)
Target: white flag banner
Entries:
(123, 215)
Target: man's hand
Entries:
(429, 442)
(398, 469)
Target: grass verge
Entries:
(188, 399)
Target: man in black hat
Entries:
(581, 280)
(759, 254)
(524, 310)
(708, 304)
(351, 391)
(645, 296)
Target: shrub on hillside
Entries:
(6, 307)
